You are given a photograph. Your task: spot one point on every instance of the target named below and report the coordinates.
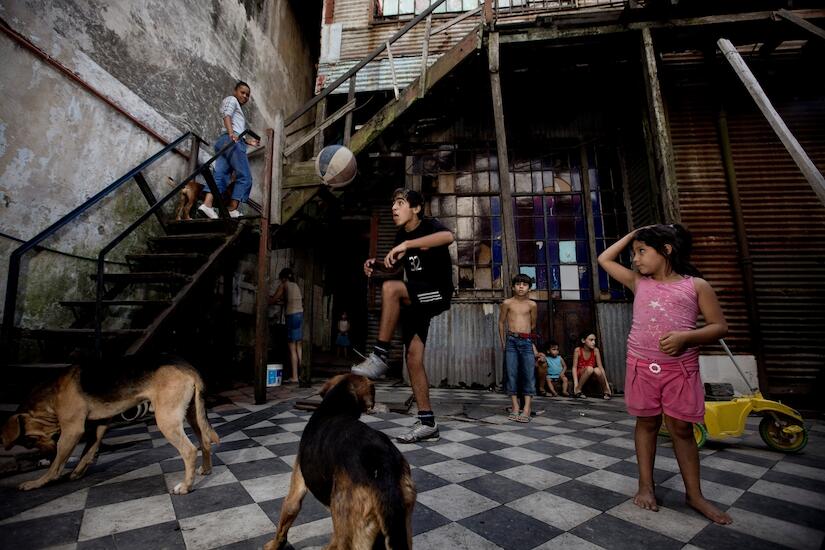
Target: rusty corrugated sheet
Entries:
(463, 346)
(377, 75)
(784, 221)
(614, 321)
(705, 206)
(786, 232)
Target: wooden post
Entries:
(320, 115)
(800, 157)
(262, 296)
(276, 188)
(425, 52)
(305, 374)
(510, 264)
(348, 118)
(795, 19)
(663, 151)
(488, 12)
(587, 204)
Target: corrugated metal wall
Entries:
(785, 223)
(463, 346)
(786, 232)
(614, 324)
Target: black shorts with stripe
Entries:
(425, 303)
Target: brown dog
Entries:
(55, 416)
(186, 199)
(354, 470)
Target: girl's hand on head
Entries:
(673, 343)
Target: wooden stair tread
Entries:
(144, 276)
(166, 256)
(191, 237)
(114, 303)
(84, 332)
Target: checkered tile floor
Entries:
(562, 481)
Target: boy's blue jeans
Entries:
(234, 158)
(521, 366)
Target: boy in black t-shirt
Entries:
(421, 245)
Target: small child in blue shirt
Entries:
(556, 371)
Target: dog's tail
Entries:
(396, 501)
(209, 434)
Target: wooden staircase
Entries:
(300, 182)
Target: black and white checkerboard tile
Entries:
(562, 481)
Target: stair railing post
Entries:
(392, 71)
(262, 296)
(425, 52)
(320, 115)
(348, 119)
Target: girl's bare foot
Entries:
(645, 498)
(704, 507)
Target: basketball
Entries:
(336, 165)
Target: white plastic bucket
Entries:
(274, 374)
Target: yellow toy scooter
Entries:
(781, 428)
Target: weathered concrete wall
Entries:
(168, 64)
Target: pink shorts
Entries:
(675, 389)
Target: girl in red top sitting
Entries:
(587, 362)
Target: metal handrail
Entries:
(12, 282)
(101, 257)
(361, 64)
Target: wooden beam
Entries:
(508, 224)
(554, 33)
(799, 21)
(800, 157)
(262, 294)
(333, 118)
(390, 112)
(660, 134)
(276, 192)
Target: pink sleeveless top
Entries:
(659, 308)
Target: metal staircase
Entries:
(136, 302)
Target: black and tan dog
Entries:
(354, 470)
(56, 415)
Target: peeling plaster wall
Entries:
(168, 64)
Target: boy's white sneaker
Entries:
(420, 432)
(373, 367)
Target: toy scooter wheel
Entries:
(700, 434)
(783, 433)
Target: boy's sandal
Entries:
(523, 418)
(514, 416)
(580, 395)
(607, 397)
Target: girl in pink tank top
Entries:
(662, 379)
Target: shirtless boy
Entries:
(516, 323)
